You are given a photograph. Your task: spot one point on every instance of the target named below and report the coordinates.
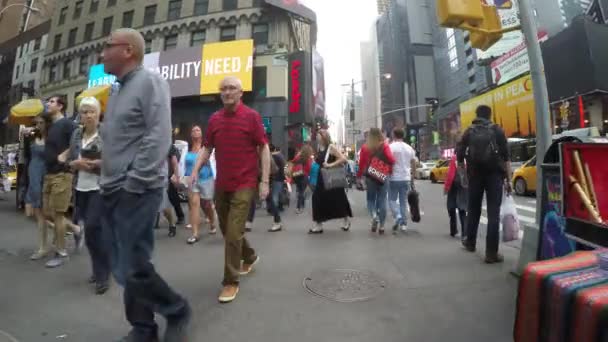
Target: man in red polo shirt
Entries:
(237, 134)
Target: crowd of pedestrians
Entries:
(120, 188)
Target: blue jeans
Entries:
(89, 207)
(129, 220)
(301, 184)
(398, 192)
(376, 200)
(277, 187)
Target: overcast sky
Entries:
(343, 24)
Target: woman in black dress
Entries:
(329, 204)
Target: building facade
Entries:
(79, 29)
(17, 18)
(18, 74)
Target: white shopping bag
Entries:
(508, 219)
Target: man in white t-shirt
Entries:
(401, 179)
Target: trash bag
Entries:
(508, 219)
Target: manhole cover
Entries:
(344, 285)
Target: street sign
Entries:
(355, 131)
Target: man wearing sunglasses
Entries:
(137, 125)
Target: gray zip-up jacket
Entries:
(137, 134)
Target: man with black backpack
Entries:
(484, 145)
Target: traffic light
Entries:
(433, 106)
(453, 13)
(491, 22)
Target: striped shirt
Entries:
(236, 138)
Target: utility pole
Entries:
(352, 110)
(541, 95)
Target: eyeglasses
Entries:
(107, 45)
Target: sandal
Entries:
(192, 240)
(212, 231)
(188, 226)
(346, 227)
(313, 231)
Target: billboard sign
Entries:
(512, 108)
(513, 63)
(300, 88)
(97, 76)
(509, 17)
(318, 84)
(196, 70)
(294, 7)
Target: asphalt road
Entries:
(432, 289)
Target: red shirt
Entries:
(298, 165)
(236, 138)
(365, 158)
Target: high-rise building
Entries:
(371, 115)
(284, 37)
(383, 6)
(598, 11)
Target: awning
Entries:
(576, 60)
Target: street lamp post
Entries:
(33, 9)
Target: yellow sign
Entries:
(226, 59)
(512, 108)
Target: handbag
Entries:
(335, 177)
(379, 169)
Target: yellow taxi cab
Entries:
(12, 177)
(440, 172)
(524, 178)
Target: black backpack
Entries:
(483, 150)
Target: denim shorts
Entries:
(206, 189)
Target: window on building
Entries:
(111, 3)
(150, 15)
(67, 69)
(37, 43)
(259, 82)
(452, 52)
(34, 66)
(228, 33)
(88, 31)
(53, 72)
(127, 19)
(201, 7)
(198, 38)
(31, 85)
(229, 5)
(94, 6)
(260, 36)
(148, 46)
(77, 10)
(17, 71)
(62, 14)
(258, 3)
(20, 51)
(175, 9)
(170, 42)
(72, 37)
(83, 65)
(107, 26)
(57, 42)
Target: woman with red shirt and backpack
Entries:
(300, 170)
(375, 162)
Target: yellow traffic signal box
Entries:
(491, 22)
(453, 13)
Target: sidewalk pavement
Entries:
(434, 291)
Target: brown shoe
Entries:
(229, 293)
(248, 268)
(494, 258)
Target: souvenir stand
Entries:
(564, 296)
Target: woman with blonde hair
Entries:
(329, 204)
(85, 158)
(375, 163)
